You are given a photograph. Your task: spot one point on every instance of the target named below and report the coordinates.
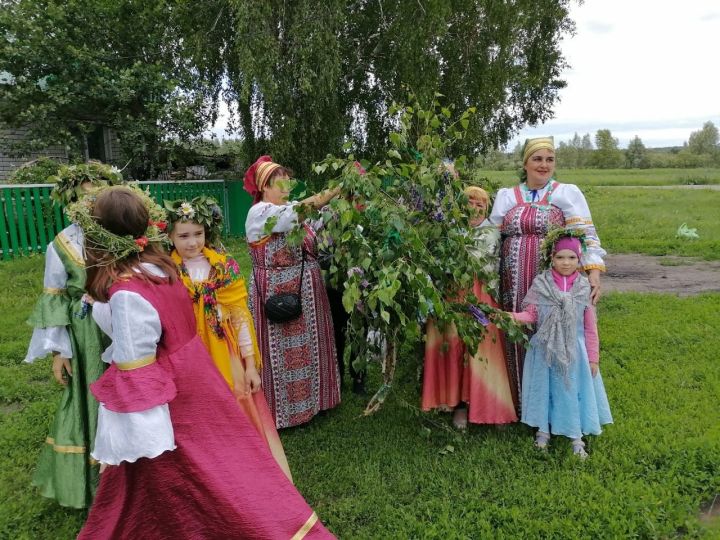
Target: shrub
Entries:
(35, 172)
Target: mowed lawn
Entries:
(646, 220)
(405, 474)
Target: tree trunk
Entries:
(245, 114)
(388, 369)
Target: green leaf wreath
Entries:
(70, 178)
(203, 210)
(99, 238)
(555, 234)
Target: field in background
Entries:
(618, 177)
(646, 220)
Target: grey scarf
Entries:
(557, 330)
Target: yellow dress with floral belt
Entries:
(225, 325)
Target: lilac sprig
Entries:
(478, 314)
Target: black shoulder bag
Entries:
(284, 307)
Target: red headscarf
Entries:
(257, 176)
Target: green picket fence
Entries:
(29, 221)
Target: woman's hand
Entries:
(253, 383)
(60, 364)
(594, 279)
(321, 199)
(594, 368)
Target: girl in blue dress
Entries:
(562, 389)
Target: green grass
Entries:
(619, 177)
(390, 476)
(402, 474)
(646, 220)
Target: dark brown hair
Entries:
(122, 212)
(278, 173)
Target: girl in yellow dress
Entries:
(224, 321)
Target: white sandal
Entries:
(542, 440)
(578, 448)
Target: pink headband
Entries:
(567, 242)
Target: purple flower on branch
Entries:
(478, 314)
(355, 270)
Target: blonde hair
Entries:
(477, 192)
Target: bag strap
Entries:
(302, 269)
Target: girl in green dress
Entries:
(64, 327)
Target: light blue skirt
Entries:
(573, 405)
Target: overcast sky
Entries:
(639, 67)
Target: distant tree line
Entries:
(702, 149)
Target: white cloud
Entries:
(638, 61)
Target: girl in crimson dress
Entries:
(182, 459)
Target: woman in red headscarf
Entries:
(300, 373)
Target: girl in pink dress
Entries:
(182, 460)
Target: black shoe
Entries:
(358, 387)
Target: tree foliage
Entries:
(302, 77)
(576, 153)
(636, 155)
(704, 141)
(398, 240)
(78, 63)
(607, 155)
(308, 76)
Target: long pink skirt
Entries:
(220, 482)
(451, 376)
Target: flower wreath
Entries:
(224, 270)
(70, 178)
(202, 210)
(99, 238)
(546, 248)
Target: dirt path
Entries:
(712, 187)
(684, 276)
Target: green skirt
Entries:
(65, 471)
